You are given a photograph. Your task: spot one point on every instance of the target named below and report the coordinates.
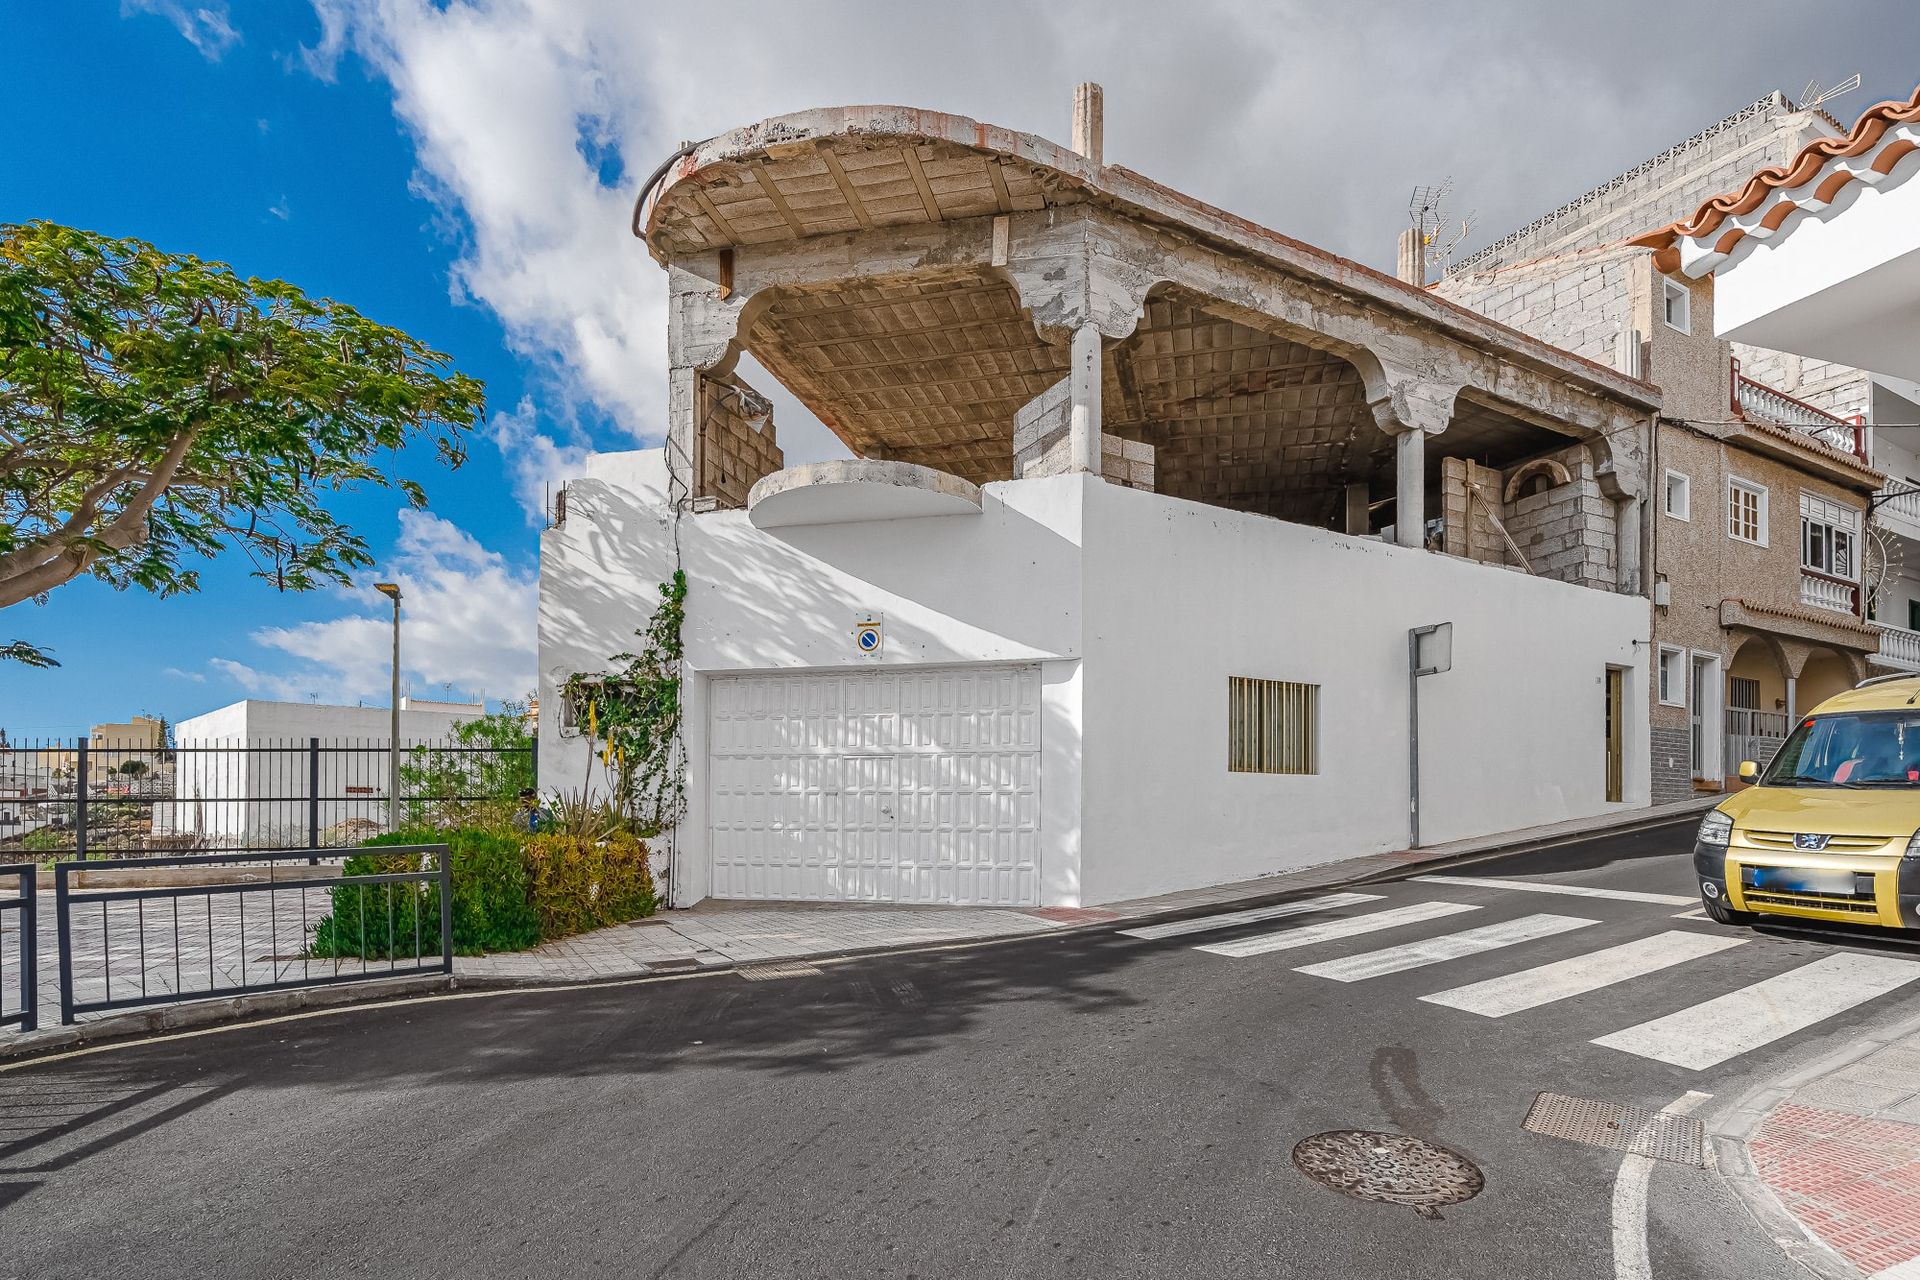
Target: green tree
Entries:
(133, 768)
(155, 408)
(476, 777)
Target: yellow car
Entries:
(1830, 830)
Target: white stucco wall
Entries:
(1180, 597)
(1137, 608)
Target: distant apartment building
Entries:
(258, 772)
(1765, 564)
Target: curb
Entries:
(195, 1014)
(1732, 1126)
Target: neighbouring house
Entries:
(1115, 596)
(257, 773)
(1811, 262)
(1763, 557)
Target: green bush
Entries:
(492, 908)
(579, 883)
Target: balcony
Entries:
(1824, 591)
(1758, 400)
(1897, 507)
(1899, 648)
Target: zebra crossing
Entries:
(1713, 1031)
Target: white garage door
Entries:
(877, 786)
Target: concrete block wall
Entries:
(1840, 390)
(1567, 533)
(736, 441)
(1580, 302)
(1466, 531)
(1663, 188)
(1126, 462)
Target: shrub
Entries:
(580, 883)
(492, 909)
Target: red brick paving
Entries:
(1853, 1180)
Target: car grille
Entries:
(1835, 844)
(1813, 901)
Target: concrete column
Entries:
(1088, 127)
(1412, 265)
(1359, 516)
(1793, 698)
(1410, 488)
(1083, 369)
(1626, 542)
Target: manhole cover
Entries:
(1653, 1134)
(1389, 1168)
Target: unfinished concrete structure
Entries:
(1088, 412)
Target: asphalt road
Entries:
(1084, 1105)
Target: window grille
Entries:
(1273, 726)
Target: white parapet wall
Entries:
(1129, 612)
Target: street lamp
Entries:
(391, 590)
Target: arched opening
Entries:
(1827, 673)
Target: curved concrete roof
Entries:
(803, 187)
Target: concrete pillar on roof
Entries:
(1413, 258)
(1359, 512)
(1410, 488)
(1083, 373)
(1088, 127)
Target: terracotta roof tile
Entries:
(1866, 134)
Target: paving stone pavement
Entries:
(220, 944)
(1842, 1155)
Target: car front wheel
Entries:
(1723, 914)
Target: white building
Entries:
(244, 773)
(1115, 598)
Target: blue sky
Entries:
(253, 161)
(463, 169)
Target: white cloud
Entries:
(208, 27)
(535, 462)
(197, 677)
(467, 622)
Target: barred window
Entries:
(1273, 726)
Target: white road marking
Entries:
(1570, 890)
(1530, 988)
(1327, 931)
(1698, 913)
(1630, 1260)
(1740, 1021)
(1452, 946)
(1204, 924)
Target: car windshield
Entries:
(1855, 749)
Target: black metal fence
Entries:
(81, 799)
(244, 922)
(19, 936)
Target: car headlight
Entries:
(1717, 829)
(1913, 846)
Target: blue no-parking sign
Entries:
(868, 635)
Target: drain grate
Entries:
(768, 972)
(1653, 1134)
(1389, 1168)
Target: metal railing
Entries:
(19, 936)
(78, 799)
(1754, 735)
(1899, 646)
(122, 948)
(1824, 591)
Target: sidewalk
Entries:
(1839, 1152)
(714, 934)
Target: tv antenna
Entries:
(1427, 211)
(1813, 97)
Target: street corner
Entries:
(1841, 1155)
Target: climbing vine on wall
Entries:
(630, 717)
